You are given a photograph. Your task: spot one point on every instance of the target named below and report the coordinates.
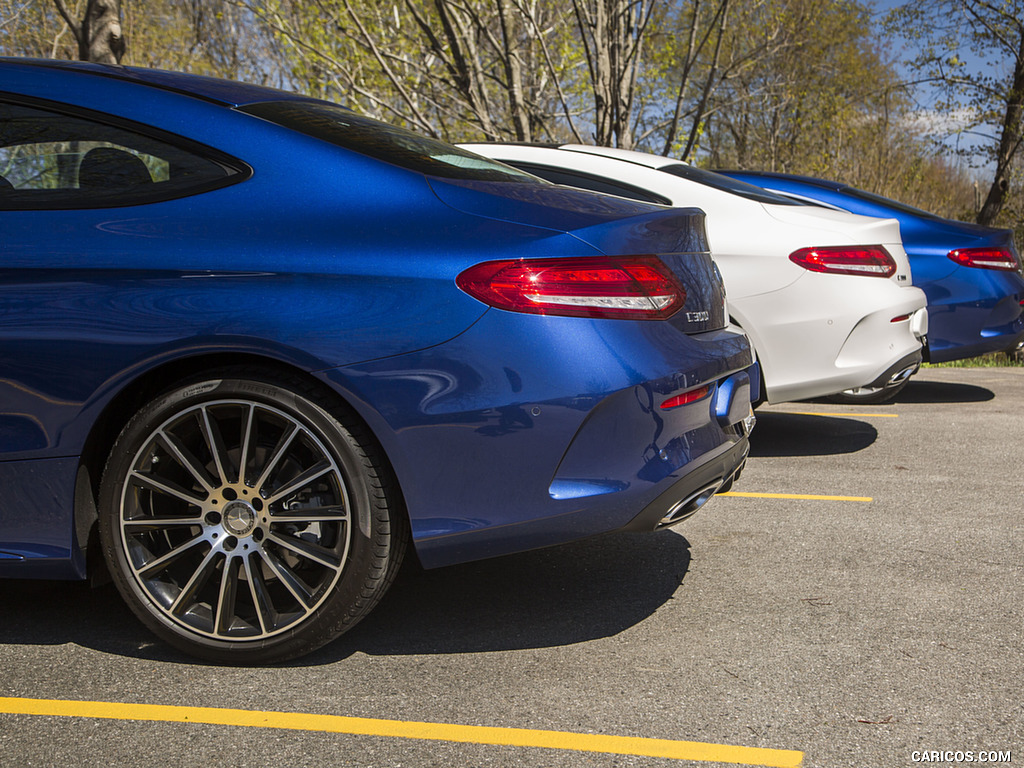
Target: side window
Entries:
(54, 160)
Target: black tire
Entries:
(257, 566)
(868, 395)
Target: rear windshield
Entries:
(726, 184)
(389, 143)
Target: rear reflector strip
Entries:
(686, 398)
(900, 319)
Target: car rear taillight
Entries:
(868, 260)
(986, 258)
(624, 287)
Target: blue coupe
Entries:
(253, 344)
(970, 274)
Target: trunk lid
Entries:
(841, 228)
(612, 226)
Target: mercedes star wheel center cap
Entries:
(239, 518)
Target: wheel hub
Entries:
(239, 518)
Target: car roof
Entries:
(642, 162)
(628, 155)
(204, 87)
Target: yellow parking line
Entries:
(796, 496)
(848, 413)
(472, 734)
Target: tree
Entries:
(802, 84)
(450, 69)
(972, 55)
(613, 33)
(34, 29)
(503, 69)
(207, 37)
(204, 36)
(686, 69)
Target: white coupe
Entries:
(826, 297)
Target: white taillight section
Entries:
(865, 260)
(624, 287)
(986, 258)
(630, 303)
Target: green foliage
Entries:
(33, 28)
(202, 36)
(995, 360)
(809, 85)
(455, 71)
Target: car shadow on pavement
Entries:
(60, 612)
(796, 434)
(918, 391)
(550, 597)
(924, 392)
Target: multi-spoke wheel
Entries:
(245, 523)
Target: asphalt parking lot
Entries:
(861, 606)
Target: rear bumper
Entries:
(821, 342)
(974, 312)
(530, 431)
(686, 495)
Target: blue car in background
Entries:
(971, 274)
(253, 344)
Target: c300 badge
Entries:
(698, 317)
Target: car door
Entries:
(79, 250)
(73, 249)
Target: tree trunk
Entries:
(699, 116)
(1009, 143)
(102, 40)
(99, 35)
(612, 33)
(688, 61)
(514, 73)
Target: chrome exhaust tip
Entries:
(688, 506)
(902, 375)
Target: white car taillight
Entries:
(865, 260)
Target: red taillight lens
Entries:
(868, 260)
(624, 287)
(686, 398)
(986, 258)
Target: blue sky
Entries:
(942, 122)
